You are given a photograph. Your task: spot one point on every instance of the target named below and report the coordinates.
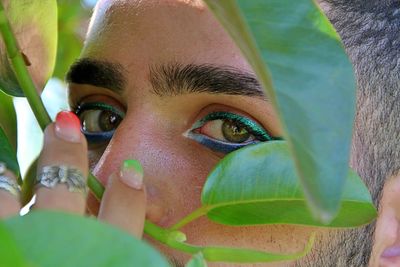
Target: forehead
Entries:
(146, 32)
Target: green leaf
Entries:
(70, 18)
(57, 239)
(258, 185)
(34, 24)
(301, 63)
(28, 185)
(8, 118)
(10, 255)
(196, 261)
(7, 153)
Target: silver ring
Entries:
(7, 183)
(50, 176)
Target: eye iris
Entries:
(99, 121)
(108, 121)
(233, 132)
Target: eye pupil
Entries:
(108, 121)
(233, 132)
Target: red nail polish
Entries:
(68, 126)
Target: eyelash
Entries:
(256, 131)
(101, 136)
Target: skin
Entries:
(175, 166)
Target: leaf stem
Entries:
(191, 217)
(95, 186)
(223, 254)
(21, 71)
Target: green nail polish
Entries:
(133, 164)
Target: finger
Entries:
(9, 202)
(64, 145)
(124, 200)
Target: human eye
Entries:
(225, 132)
(98, 121)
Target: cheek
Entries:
(175, 170)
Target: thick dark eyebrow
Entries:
(177, 79)
(98, 73)
(169, 79)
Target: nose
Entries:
(141, 140)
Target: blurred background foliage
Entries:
(73, 20)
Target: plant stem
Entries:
(191, 217)
(95, 186)
(21, 71)
(223, 254)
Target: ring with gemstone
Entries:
(52, 175)
(8, 183)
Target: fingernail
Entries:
(68, 127)
(131, 173)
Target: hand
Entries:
(124, 199)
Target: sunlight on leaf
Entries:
(312, 87)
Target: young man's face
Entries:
(181, 86)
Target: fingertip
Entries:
(131, 174)
(68, 127)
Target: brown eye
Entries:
(99, 120)
(226, 130)
(234, 132)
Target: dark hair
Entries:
(370, 31)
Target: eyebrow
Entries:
(177, 79)
(169, 79)
(98, 73)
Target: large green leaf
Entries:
(57, 239)
(8, 118)
(10, 255)
(301, 63)
(34, 24)
(7, 153)
(258, 185)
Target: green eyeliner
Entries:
(99, 105)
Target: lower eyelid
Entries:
(98, 137)
(217, 145)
